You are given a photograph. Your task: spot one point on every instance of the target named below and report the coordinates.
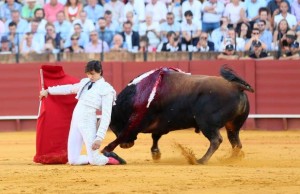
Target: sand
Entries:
(270, 164)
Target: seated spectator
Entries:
(86, 24)
(111, 24)
(94, 10)
(62, 26)
(229, 53)
(255, 36)
(144, 44)
(83, 37)
(284, 14)
(244, 31)
(172, 45)
(51, 33)
(134, 22)
(218, 35)
(116, 9)
(72, 10)
(103, 32)
(37, 36)
(51, 10)
(175, 8)
(49, 46)
(130, 37)
(232, 38)
(204, 45)
(39, 16)
(6, 47)
(22, 24)
(292, 52)
(28, 9)
(235, 12)
(191, 30)
(265, 35)
(7, 8)
(138, 12)
(296, 12)
(158, 11)
(28, 45)
(2, 28)
(13, 36)
(118, 43)
(264, 14)
(96, 45)
(258, 52)
(193, 6)
(252, 8)
(274, 5)
(280, 33)
(75, 47)
(169, 25)
(212, 11)
(152, 31)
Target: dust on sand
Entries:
(270, 164)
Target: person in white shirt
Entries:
(284, 14)
(195, 7)
(117, 9)
(151, 30)
(137, 10)
(158, 10)
(212, 13)
(93, 93)
(169, 25)
(29, 45)
(86, 24)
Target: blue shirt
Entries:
(5, 11)
(63, 28)
(267, 38)
(21, 26)
(94, 13)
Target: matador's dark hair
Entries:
(94, 65)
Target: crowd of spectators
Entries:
(255, 27)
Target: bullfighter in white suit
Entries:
(93, 94)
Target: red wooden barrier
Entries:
(276, 83)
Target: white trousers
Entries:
(83, 130)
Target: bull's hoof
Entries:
(202, 161)
(126, 145)
(156, 155)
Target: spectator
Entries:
(6, 46)
(138, 11)
(130, 37)
(175, 8)
(244, 31)
(212, 13)
(118, 43)
(49, 46)
(117, 9)
(169, 25)
(293, 52)
(75, 47)
(280, 33)
(296, 12)
(144, 44)
(39, 16)
(111, 24)
(86, 24)
(96, 45)
(229, 53)
(2, 28)
(265, 35)
(62, 26)
(259, 52)
(28, 10)
(72, 10)
(158, 10)
(235, 11)
(172, 45)
(51, 33)
(13, 36)
(28, 45)
(291, 19)
(252, 10)
(83, 38)
(51, 10)
(94, 10)
(7, 8)
(104, 34)
(134, 22)
(255, 36)
(37, 36)
(218, 35)
(231, 38)
(274, 5)
(193, 6)
(22, 24)
(152, 31)
(204, 45)
(265, 15)
(191, 30)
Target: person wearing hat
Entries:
(6, 47)
(229, 53)
(258, 51)
(293, 52)
(28, 10)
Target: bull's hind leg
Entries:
(154, 149)
(215, 139)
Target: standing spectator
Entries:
(172, 45)
(265, 35)
(152, 31)
(86, 24)
(195, 7)
(83, 38)
(118, 43)
(229, 53)
(104, 33)
(28, 45)
(28, 10)
(169, 25)
(117, 9)
(22, 24)
(274, 5)
(62, 26)
(96, 45)
(130, 37)
(191, 30)
(212, 13)
(175, 8)
(75, 47)
(111, 24)
(51, 10)
(158, 10)
(94, 10)
(72, 10)
(218, 35)
(7, 8)
(291, 19)
(6, 46)
(235, 11)
(204, 45)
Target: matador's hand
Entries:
(43, 93)
(96, 144)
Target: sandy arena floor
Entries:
(271, 164)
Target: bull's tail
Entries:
(228, 74)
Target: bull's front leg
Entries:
(154, 149)
(111, 146)
(215, 140)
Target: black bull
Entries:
(181, 101)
